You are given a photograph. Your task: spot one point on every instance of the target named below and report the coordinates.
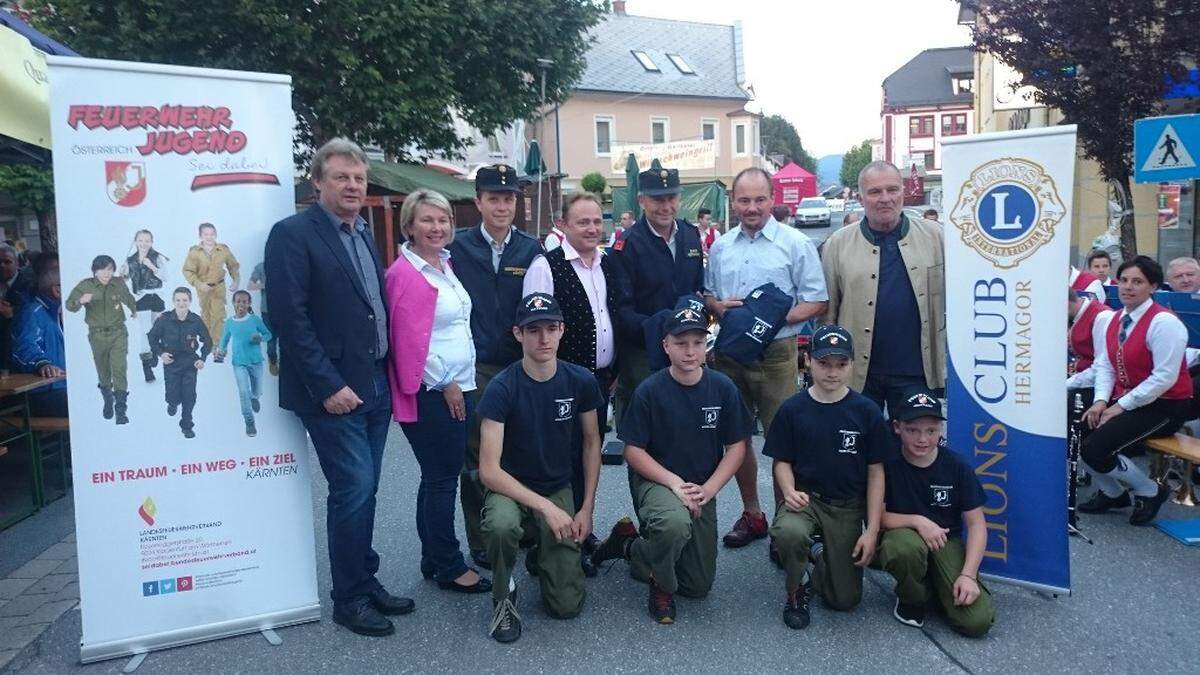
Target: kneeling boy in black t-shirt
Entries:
(533, 413)
(684, 432)
(829, 443)
(930, 492)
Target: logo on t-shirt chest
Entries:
(941, 495)
(564, 409)
(710, 415)
(849, 442)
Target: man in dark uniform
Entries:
(181, 341)
(661, 259)
(490, 260)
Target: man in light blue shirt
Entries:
(758, 251)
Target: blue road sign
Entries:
(1166, 148)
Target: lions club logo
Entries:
(125, 182)
(1007, 209)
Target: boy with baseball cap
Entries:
(684, 432)
(829, 443)
(534, 412)
(930, 492)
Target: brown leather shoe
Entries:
(747, 528)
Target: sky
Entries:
(821, 64)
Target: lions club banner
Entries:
(1008, 203)
(192, 501)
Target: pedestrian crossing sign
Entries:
(1165, 148)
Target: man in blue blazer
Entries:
(326, 295)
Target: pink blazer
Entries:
(411, 301)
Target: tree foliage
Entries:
(779, 137)
(593, 182)
(32, 187)
(853, 162)
(1103, 63)
(383, 72)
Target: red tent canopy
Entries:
(792, 183)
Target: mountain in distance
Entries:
(829, 168)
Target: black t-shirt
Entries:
(941, 492)
(541, 422)
(686, 428)
(829, 445)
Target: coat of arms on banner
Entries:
(1007, 209)
(125, 182)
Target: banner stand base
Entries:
(1073, 531)
(272, 637)
(134, 663)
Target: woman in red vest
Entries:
(1084, 313)
(1142, 390)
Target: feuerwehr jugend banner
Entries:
(192, 501)
(1008, 204)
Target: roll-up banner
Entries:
(1008, 200)
(193, 508)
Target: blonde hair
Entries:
(573, 199)
(408, 211)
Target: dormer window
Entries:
(647, 63)
(681, 64)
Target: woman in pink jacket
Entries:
(432, 366)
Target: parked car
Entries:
(812, 211)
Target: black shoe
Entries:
(774, 554)
(172, 408)
(254, 405)
(121, 405)
(480, 558)
(662, 604)
(392, 605)
(362, 618)
(589, 567)
(590, 544)
(250, 430)
(188, 433)
(506, 623)
(1145, 509)
(795, 610)
(482, 586)
(617, 543)
(909, 615)
(1100, 502)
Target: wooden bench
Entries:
(1177, 447)
(44, 425)
(1180, 445)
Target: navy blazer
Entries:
(320, 312)
(654, 280)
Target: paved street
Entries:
(1127, 614)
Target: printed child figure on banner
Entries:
(181, 341)
(247, 331)
(146, 270)
(205, 268)
(103, 298)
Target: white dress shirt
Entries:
(1085, 379)
(738, 264)
(497, 247)
(1167, 339)
(539, 279)
(451, 350)
(553, 240)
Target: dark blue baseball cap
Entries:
(831, 341)
(917, 403)
(537, 307)
(687, 319)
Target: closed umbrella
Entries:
(631, 185)
(535, 166)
